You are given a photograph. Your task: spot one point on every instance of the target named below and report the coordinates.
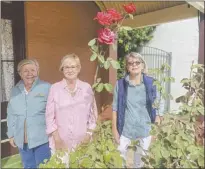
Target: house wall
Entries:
(54, 29)
(182, 39)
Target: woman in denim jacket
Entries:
(132, 108)
(26, 115)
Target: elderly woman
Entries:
(26, 115)
(71, 111)
(132, 108)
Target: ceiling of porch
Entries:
(152, 12)
(142, 6)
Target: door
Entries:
(12, 51)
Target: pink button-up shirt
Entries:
(70, 115)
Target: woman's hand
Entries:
(87, 138)
(116, 135)
(158, 120)
(11, 141)
(59, 143)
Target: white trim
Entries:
(198, 5)
(3, 141)
(3, 120)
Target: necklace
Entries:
(72, 92)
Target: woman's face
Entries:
(134, 66)
(71, 69)
(28, 73)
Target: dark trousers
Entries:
(31, 158)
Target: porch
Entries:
(47, 31)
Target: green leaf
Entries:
(101, 59)
(185, 80)
(200, 110)
(115, 64)
(93, 57)
(94, 48)
(172, 79)
(179, 153)
(92, 42)
(100, 165)
(108, 87)
(107, 64)
(99, 88)
(107, 157)
(72, 157)
(191, 148)
(131, 16)
(164, 152)
(200, 66)
(94, 85)
(201, 162)
(86, 162)
(120, 41)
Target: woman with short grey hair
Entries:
(133, 97)
(26, 115)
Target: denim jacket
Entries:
(30, 107)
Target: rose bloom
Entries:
(116, 16)
(130, 8)
(106, 36)
(104, 18)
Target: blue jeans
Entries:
(31, 158)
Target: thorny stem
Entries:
(96, 73)
(120, 23)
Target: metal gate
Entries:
(155, 58)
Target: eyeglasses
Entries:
(134, 63)
(66, 68)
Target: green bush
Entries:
(175, 145)
(129, 41)
(101, 152)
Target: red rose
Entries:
(104, 18)
(116, 16)
(106, 36)
(130, 8)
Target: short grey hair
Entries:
(137, 56)
(27, 61)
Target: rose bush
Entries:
(111, 20)
(104, 18)
(130, 8)
(116, 16)
(106, 36)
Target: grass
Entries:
(11, 162)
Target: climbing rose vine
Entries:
(111, 21)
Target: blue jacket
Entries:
(31, 108)
(151, 95)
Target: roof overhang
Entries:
(198, 5)
(153, 12)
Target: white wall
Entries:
(181, 38)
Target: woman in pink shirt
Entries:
(71, 111)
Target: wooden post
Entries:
(113, 72)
